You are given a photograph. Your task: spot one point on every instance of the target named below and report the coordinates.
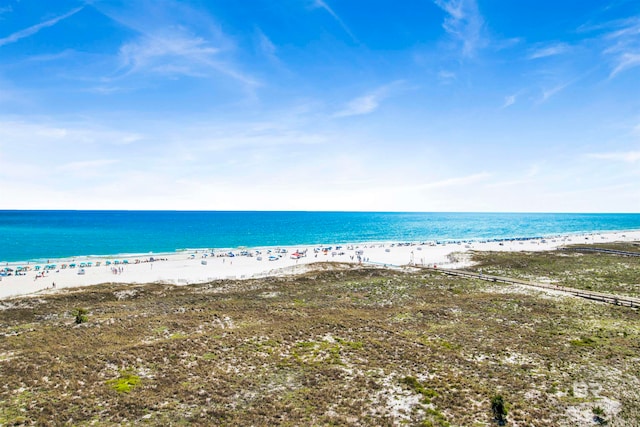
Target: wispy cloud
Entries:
(5, 9)
(52, 56)
(22, 134)
(369, 102)
(362, 105)
(455, 182)
(622, 40)
(151, 51)
(628, 156)
(548, 50)
(267, 47)
(549, 93)
(509, 100)
(465, 23)
(323, 5)
(12, 38)
(177, 53)
(625, 61)
(173, 40)
(86, 166)
(446, 77)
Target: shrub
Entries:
(499, 409)
(413, 383)
(81, 315)
(598, 415)
(125, 383)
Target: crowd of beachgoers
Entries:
(202, 265)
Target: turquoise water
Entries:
(31, 235)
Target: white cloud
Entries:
(465, 23)
(625, 61)
(549, 50)
(323, 5)
(362, 105)
(266, 45)
(267, 48)
(149, 52)
(175, 54)
(446, 76)
(509, 100)
(369, 102)
(549, 93)
(12, 38)
(455, 182)
(623, 45)
(86, 166)
(628, 156)
(23, 135)
(173, 40)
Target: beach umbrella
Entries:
(37, 267)
(108, 263)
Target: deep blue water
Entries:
(30, 235)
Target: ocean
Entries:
(41, 235)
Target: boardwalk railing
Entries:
(602, 250)
(595, 296)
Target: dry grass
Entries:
(343, 347)
(582, 270)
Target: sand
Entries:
(198, 266)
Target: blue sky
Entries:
(414, 105)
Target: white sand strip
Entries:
(198, 267)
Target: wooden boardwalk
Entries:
(621, 300)
(603, 251)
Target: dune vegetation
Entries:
(341, 345)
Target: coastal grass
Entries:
(591, 271)
(343, 346)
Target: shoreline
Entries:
(199, 265)
(448, 241)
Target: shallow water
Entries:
(31, 235)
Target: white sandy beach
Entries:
(205, 265)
